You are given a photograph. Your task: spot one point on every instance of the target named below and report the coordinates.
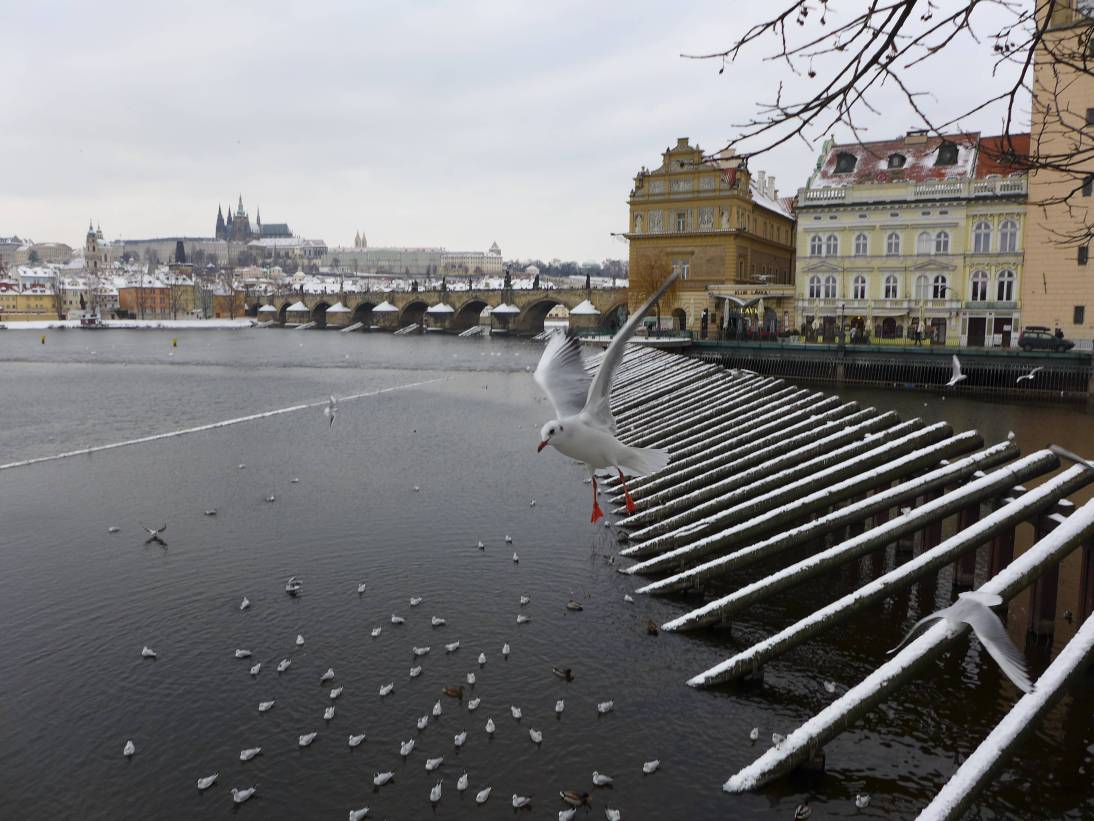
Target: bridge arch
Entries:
(282, 312)
(467, 315)
(363, 312)
(319, 314)
(612, 319)
(413, 311)
(532, 315)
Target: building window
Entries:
(814, 287)
(1084, 252)
(816, 246)
(1090, 116)
(681, 221)
(947, 154)
(706, 219)
(683, 266)
(858, 287)
(922, 287)
(981, 238)
(1078, 316)
(896, 160)
(891, 286)
(829, 287)
(1008, 237)
(1088, 185)
(862, 247)
(656, 222)
(845, 163)
(892, 244)
(942, 242)
(1004, 291)
(979, 290)
(831, 246)
(939, 287)
(924, 243)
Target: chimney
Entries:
(761, 182)
(915, 136)
(771, 187)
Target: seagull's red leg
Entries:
(630, 502)
(597, 512)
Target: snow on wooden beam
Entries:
(802, 744)
(856, 512)
(686, 417)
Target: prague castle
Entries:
(237, 228)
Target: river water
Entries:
(460, 422)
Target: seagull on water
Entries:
(397, 619)
(628, 598)
(480, 545)
(482, 659)
(208, 781)
(490, 726)
(154, 535)
(435, 793)
(387, 688)
(239, 796)
(482, 795)
(423, 722)
(379, 779)
(522, 802)
(612, 814)
(471, 679)
(862, 800)
(516, 711)
(437, 621)
(355, 740)
(972, 607)
(249, 753)
(830, 686)
(147, 652)
(508, 539)
(375, 632)
(299, 640)
(437, 709)
(327, 676)
(473, 704)
(295, 480)
(524, 599)
(361, 589)
(651, 766)
(461, 784)
(601, 780)
(452, 647)
(567, 814)
(523, 619)
(306, 739)
(605, 706)
(584, 428)
(113, 529)
(433, 763)
(535, 735)
(264, 706)
(460, 738)
(560, 705)
(357, 815)
(242, 654)
(271, 498)
(1026, 377)
(416, 671)
(1071, 457)
(328, 713)
(957, 375)
(419, 651)
(516, 558)
(754, 733)
(129, 749)
(505, 650)
(331, 409)
(406, 748)
(777, 740)
(243, 605)
(293, 586)
(415, 601)
(211, 512)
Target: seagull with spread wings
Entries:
(584, 428)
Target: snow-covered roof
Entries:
(384, 307)
(585, 308)
(267, 309)
(337, 308)
(440, 308)
(299, 306)
(915, 158)
(506, 309)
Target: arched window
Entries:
(845, 163)
(922, 286)
(816, 246)
(1008, 237)
(892, 244)
(939, 287)
(831, 246)
(979, 290)
(981, 238)
(858, 287)
(1004, 290)
(947, 154)
(829, 287)
(924, 243)
(896, 160)
(862, 247)
(891, 286)
(942, 243)
(814, 287)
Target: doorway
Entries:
(977, 330)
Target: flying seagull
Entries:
(154, 535)
(584, 428)
(957, 375)
(1072, 457)
(331, 409)
(1028, 377)
(972, 608)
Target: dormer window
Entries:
(896, 160)
(947, 154)
(845, 163)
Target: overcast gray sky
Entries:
(421, 123)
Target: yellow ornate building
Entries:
(913, 237)
(1059, 293)
(728, 233)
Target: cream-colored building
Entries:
(1059, 292)
(918, 237)
(728, 233)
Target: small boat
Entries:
(564, 673)
(293, 586)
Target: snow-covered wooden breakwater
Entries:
(792, 485)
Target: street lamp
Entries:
(842, 306)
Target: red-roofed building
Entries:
(913, 239)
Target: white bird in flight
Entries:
(972, 607)
(1028, 377)
(331, 409)
(957, 375)
(1072, 457)
(154, 535)
(584, 428)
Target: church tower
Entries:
(221, 231)
(94, 256)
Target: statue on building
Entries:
(725, 219)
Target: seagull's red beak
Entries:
(542, 445)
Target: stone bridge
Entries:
(467, 306)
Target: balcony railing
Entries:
(895, 192)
